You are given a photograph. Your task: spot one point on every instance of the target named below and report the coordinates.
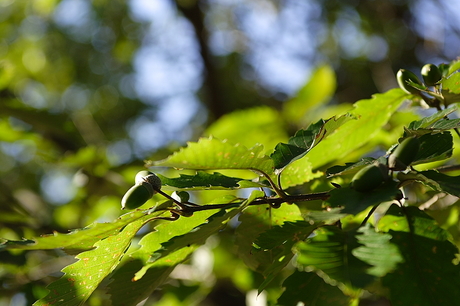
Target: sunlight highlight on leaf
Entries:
(212, 153)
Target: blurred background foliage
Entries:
(90, 89)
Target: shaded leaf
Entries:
(310, 289)
(256, 220)
(433, 179)
(434, 147)
(349, 168)
(281, 239)
(354, 202)
(202, 180)
(427, 276)
(305, 140)
(329, 251)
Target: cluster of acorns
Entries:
(431, 76)
(372, 176)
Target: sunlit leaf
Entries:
(200, 233)
(372, 114)
(299, 172)
(83, 277)
(77, 240)
(428, 122)
(452, 83)
(211, 153)
(258, 125)
(377, 251)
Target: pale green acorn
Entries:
(137, 195)
(431, 74)
(149, 177)
(403, 77)
(404, 154)
(370, 177)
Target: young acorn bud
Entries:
(149, 177)
(404, 154)
(431, 74)
(370, 177)
(181, 196)
(137, 196)
(403, 77)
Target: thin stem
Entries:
(448, 168)
(369, 215)
(258, 201)
(280, 192)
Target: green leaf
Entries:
(452, 83)
(299, 172)
(427, 276)
(310, 289)
(377, 251)
(329, 251)
(318, 89)
(305, 140)
(434, 147)
(258, 125)
(202, 180)
(211, 153)
(199, 234)
(128, 289)
(349, 168)
(329, 216)
(279, 240)
(77, 240)
(427, 122)
(453, 67)
(355, 202)
(82, 277)
(433, 179)
(138, 277)
(451, 89)
(256, 220)
(372, 115)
